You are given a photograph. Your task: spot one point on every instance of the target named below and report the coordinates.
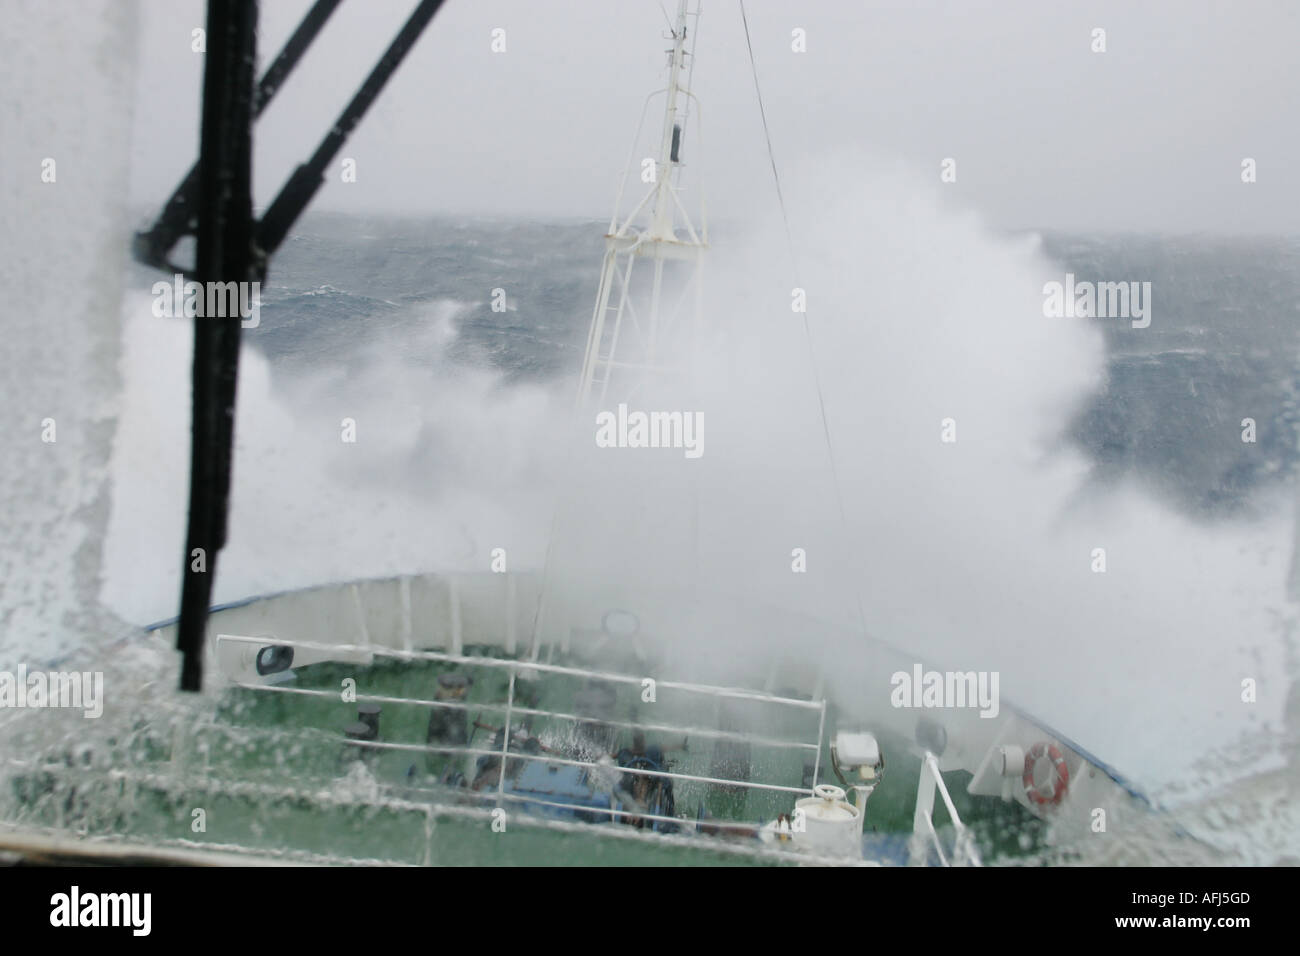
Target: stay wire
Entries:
(807, 327)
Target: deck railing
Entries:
(513, 709)
(925, 838)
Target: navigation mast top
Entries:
(658, 228)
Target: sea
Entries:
(452, 344)
(1103, 513)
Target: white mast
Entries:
(659, 229)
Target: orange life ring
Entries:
(1053, 753)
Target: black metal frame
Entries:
(214, 204)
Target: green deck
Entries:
(270, 770)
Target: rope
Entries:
(767, 133)
(807, 327)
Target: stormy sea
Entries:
(453, 346)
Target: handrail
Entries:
(924, 835)
(512, 711)
(513, 755)
(685, 729)
(716, 690)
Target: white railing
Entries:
(513, 710)
(924, 836)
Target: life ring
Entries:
(1032, 757)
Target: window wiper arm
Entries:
(179, 216)
(308, 177)
(214, 204)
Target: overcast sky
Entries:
(1149, 135)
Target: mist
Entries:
(981, 552)
(977, 553)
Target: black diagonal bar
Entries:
(225, 253)
(153, 246)
(307, 178)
